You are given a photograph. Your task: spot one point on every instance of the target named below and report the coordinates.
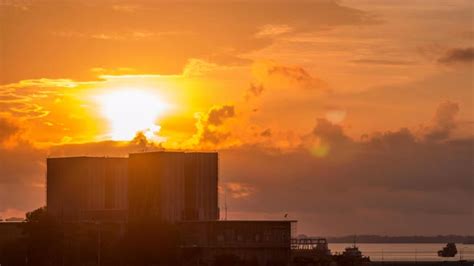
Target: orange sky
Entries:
(362, 108)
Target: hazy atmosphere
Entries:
(352, 117)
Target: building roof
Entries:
(172, 151)
(85, 157)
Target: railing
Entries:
(309, 243)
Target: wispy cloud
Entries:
(458, 55)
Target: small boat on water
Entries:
(352, 252)
(449, 251)
(351, 256)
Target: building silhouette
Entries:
(167, 186)
(87, 188)
(179, 188)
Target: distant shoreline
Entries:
(376, 239)
(422, 263)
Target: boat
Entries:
(352, 252)
(449, 251)
(351, 256)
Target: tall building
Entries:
(173, 186)
(87, 188)
(156, 186)
(201, 186)
(167, 186)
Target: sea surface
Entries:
(406, 252)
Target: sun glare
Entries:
(131, 111)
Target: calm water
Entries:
(406, 252)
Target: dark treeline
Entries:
(402, 239)
(46, 241)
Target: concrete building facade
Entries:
(156, 186)
(201, 186)
(173, 186)
(166, 186)
(237, 241)
(87, 188)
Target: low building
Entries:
(213, 243)
(10, 233)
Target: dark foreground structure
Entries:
(244, 242)
(153, 208)
(146, 192)
(43, 241)
(168, 186)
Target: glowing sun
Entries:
(130, 111)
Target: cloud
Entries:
(72, 45)
(8, 129)
(297, 74)
(254, 91)
(273, 30)
(208, 126)
(387, 62)
(269, 73)
(394, 178)
(197, 67)
(329, 132)
(380, 182)
(266, 133)
(444, 122)
(22, 177)
(25, 99)
(458, 56)
(218, 114)
(335, 115)
(239, 190)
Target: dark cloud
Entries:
(8, 128)
(218, 114)
(417, 182)
(383, 62)
(254, 91)
(458, 55)
(329, 132)
(266, 133)
(208, 125)
(444, 122)
(394, 179)
(271, 74)
(295, 73)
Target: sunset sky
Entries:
(351, 116)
